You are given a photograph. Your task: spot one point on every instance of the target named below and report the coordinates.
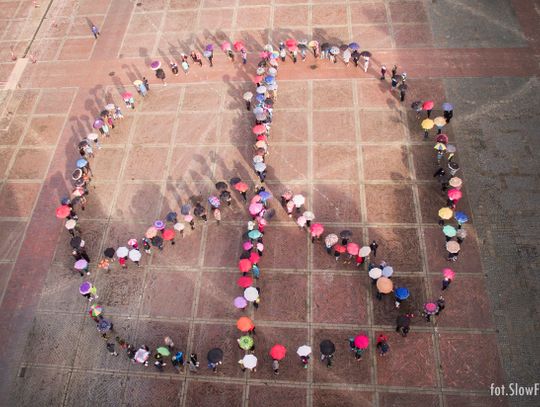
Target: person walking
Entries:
(185, 67)
(160, 74)
(243, 53)
(95, 31)
(440, 305)
(145, 82)
(382, 344)
(275, 366)
(193, 363)
(169, 343)
(159, 364)
(403, 324)
(394, 83)
(111, 349)
(174, 67)
(178, 360)
(394, 70)
(383, 72)
(402, 92)
(373, 246)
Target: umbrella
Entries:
(96, 310)
(244, 265)
(265, 195)
(80, 264)
(304, 350)
(327, 347)
(221, 186)
(260, 167)
(261, 144)
(63, 211)
(132, 242)
(364, 251)
(415, 105)
(365, 54)
(241, 187)
(345, 234)
(155, 65)
(439, 121)
(98, 123)
(77, 174)
(442, 138)
(461, 217)
(301, 221)
(455, 182)
(249, 361)
(387, 271)
(247, 245)
(110, 106)
(354, 46)
(244, 324)
(109, 252)
(151, 232)
(245, 342)
(278, 352)
(185, 209)
(214, 201)
(331, 239)
(384, 285)
(261, 90)
(255, 208)
(272, 86)
(325, 46)
(104, 326)
(215, 355)
(339, 248)
(75, 242)
(251, 294)
(134, 255)
(127, 95)
(334, 50)
(122, 251)
(159, 224)
(447, 107)
(445, 213)
(92, 137)
(238, 45)
(225, 46)
(353, 248)
(309, 215)
(247, 96)
(209, 47)
(254, 257)
(375, 273)
(85, 287)
(346, 54)
(257, 79)
(81, 163)
(316, 229)
(427, 124)
(137, 82)
(430, 308)
(402, 293)
(260, 98)
(428, 105)
(258, 111)
(254, 234)
(448, 273)
(259, 129)
(70, 224)
(272, 71)
(454, 194)
(244, 282)
(290, 42)
(269, 79)
(449, 231)
(142, 355)
(313, 43)
(163, 351)
(240, 302)
(298, 200)
(439, 147)
(171, 216)
(361, 341)
(461, 233)
(452, 247)
(156, 241)
(207, 53)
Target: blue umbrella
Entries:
(214, 201)
(254, 234)
(461, 217)
(402, 293)
(81, 163)
(269, 79)
(354, 46)
(184, 210)
(171, 216)
(265, 195)
(260, 97)
(447, 107)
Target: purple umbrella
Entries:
(155, 65)
(214, 201)
(81, 264)
(159, 225)
(98, 124)
(85, 287)
(447, 107)
(240, 302)
(209, 47)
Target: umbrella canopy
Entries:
(244, 282)
(452, 247)
(104, 325)
(416, 105)
(448, 273)
(313, 43)
(257, 79)
(241, 187)
(345, 234)
(254, 257)
(364, 251)
(308, 215)
(247, 96)
(354, 46)
(244, 265)
(215, 355)
(265, 195)
(384, 285)
(70, 224)
(327, 347)
(80, 264)
(427, 124)
(163, 351)
(449, 231)
(361, 341)
(261, 90)
(387, 271)
(251, 294)
(249, 361)
(214, 201)
(340, 248)
(290, 43)
(245, 342)
(156, 241)
(258, 158)
(331, 239)
(439, 121)
(304, 350)
(430, 308)
(334, 50)
(63, 211)
(122, 251)
(269, 79)
(442, 138)
(171, 216)
(221, 186)
(98, 123)
(301, 221)
(255, 208)
(225, 46)
(151, 232)
(75, 242)
(127, 95)
(85, 287)
(353, 248)
(168, 234)
(402, 293)
(245, 324)
(365, 54)
(461, 233)
(428, 105)
(134, 255)
(455, 182)
(185, 209)
(240, 302)
(325, 46)
(298, 199)
(316, 229)
(278, 352)
(259, 129)
(447, 107)
(96, 310)
(247, 245)
(454, 194)
(81, 163)
(461, 217)
(155, 65)
(439, 147)
(445, 213)
(109, 252)
(403, 320)
(142, 355)
(260, 167)
(159, 224)
(132, 242)
(375, 273)
(238, 45)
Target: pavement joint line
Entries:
(309, 280)
(159, 30)
(126, 32)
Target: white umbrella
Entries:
(251, 294)
(92, 137)
(247, 96)
(260, 117)
(387, 271)
(70, 224)
(142, 355)
(134, 255)
(309, 215)
(375, 273)
(304, 350)
(260, 71)
(269, 47)
(110, 106)
(258, 110)
(272, 71)
(364, 251)
(272, 86)
(261, 90)
(249, 361)
(298, 200)
(179, 226)
(258, 159)
(122, 251)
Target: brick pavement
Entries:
(129, 193)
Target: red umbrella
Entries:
(168, 234)
(353, 248)
(241, 187)
(245, 324)
(428, 105)
(340, 249)
(316, 229)
(257, 79)
(278, 352)
(244, 282)
(244, 265)
(63, 211)
(259, 129)
(262, 137)
(254, 257)
(238, 45)
(290, 43)
(442, 138)
(454, 194)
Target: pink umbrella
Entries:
(448, 273)
(255, 208)
(226, 46)
(247, 246)
(264, 54)
(240, 302)
(255, 199)
(98, 124)
(428, 105)
(188, 218)
(126, 95)
(132, 242)
(361, 341)
(238, 45)
(254, 258)
(454, 194)
(353, 248)
(301, 221)
(316, 229)
(430, 307)
(81, 264)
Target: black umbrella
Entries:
(184, 210)
(104, 325)
(109, 252)
(83, 143)
(327, 347)
(415, 105)
(104, 113)
(160, 74)
(355, 54)
(221, 185)
(302, 45)
(453, 165)
(345, 234)
(65, 201)
(215, 355)
(156, 241)
(403, 320)
(325, 46)
(75, 242)
(225, 195)
(171, 216)
(365, 54)
(198, 211)
(234, 181)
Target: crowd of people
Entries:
(338, 244)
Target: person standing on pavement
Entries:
(373, 246)
(383, 72)
(193, 363)
(382, 344)
(111, 349)
(95, 31)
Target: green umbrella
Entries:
(163, 351)
(245, 342)
(449, 231)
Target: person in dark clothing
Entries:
(145, 82)
(373, 246)
(448, 114)
(440, 304)
(403, 324)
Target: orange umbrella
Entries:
(245, 324)
(241, 186)
(168, 234)
(384, 285)
(244, 265)
(151, 232)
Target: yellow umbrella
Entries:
(427, 124)
(137, 82)
(445, 213)
(439, 147)
(455, 182)
(439, 121)
(384, 285)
